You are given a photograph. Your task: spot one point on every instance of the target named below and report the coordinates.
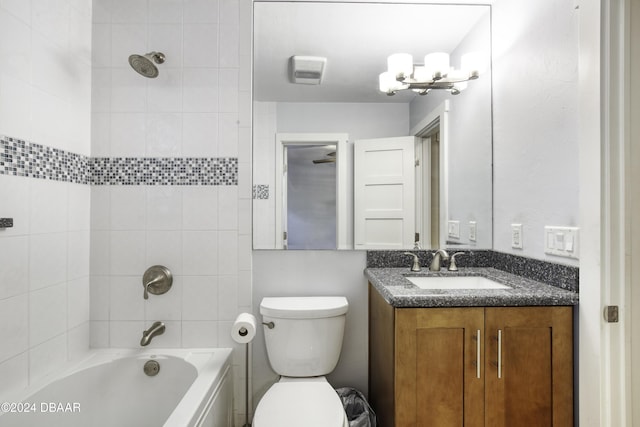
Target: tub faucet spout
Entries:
(156, 329)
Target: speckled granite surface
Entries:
(558, 275)
(400, 292)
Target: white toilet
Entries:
(304, 339)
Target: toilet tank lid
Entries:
(303, 307)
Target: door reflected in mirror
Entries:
(310, 197)
(451, 159)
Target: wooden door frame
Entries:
(604, 350)
(632, 294)
(439, 116)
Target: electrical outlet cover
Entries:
(516, 236)
(454, 229)
(473, 231)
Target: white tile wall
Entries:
(47, 313)
(47, 357)
(201, 41)
(14, 328)
(14, 251)
(86, 248)
(44, 277)
(45, 88)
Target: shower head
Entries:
(144, 64)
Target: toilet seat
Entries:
(293, 402)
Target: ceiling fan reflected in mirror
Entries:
(330, 158)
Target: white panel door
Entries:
(384, 193)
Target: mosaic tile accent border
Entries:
(261, 191)
(22, 158)
(164, 171)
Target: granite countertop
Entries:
(400, 292)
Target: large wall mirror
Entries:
(315, 145)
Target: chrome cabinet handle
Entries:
(499, 353)
(478, 353)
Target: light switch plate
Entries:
(562, 241)
(516, 236)
(454, 229)
(473, 231)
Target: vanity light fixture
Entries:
(435, 73)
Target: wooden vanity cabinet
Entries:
(470, 367)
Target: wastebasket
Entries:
(359, 413)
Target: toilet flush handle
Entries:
(269, 325)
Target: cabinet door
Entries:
(529, 379)
(439, 379)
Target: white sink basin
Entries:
(455, 282)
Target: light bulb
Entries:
(437, 63)
(421, 74)
(386, 81)
(458, 75)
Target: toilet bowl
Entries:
(295, 402)
(303, 336)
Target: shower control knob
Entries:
(156, 280)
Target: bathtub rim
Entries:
(211, 364)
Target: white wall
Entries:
(535, 121)
(359, 120)
(311, 273)
(198, 107)
(264, 172)
(45, 86)
(469, 149)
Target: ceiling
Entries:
(356, 39)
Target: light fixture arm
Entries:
(443, 82)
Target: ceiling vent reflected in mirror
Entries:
(307, 70)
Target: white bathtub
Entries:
(110, 389)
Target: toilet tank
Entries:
(306, 337)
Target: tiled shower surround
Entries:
(21, 158)
(107, 173)
(170, 163)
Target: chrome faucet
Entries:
(156, 329)
(452, 261)
(438, 256)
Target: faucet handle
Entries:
(452, 261)
(156, 280)
(416, 262)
